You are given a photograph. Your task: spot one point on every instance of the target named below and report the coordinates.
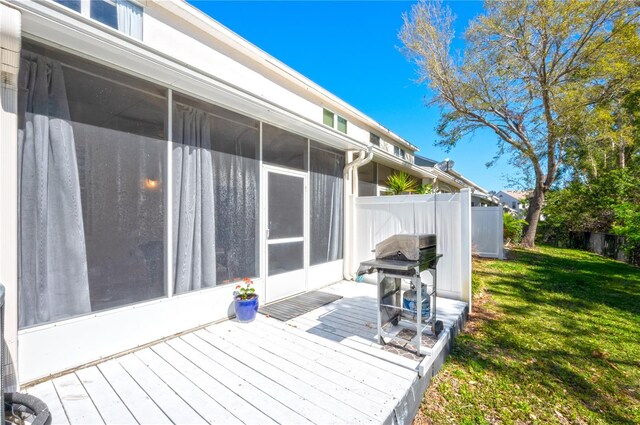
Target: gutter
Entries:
(349, 207)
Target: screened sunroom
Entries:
(141, 206)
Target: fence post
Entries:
(465, 246)
(500, 233)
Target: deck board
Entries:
(300, 380)
(286, 391)
(47, 392)
(142, 407)
(223, 395)
(322, 367)
(353, 392)
(112, 409)
(205, 405)
(77, 403)
(264, 400)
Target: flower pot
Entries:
(246, 310)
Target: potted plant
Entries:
(245, 301)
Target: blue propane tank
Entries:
(409, 302)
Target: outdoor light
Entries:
(151, 184)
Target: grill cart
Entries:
(411, 305)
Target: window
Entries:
(220, 147)
(328, 118)
(514, 205)
(399, 152)
(122, 15)
(103, 244)
(374, 139)
(342, 125)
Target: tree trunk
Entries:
(533, 216)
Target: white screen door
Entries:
(286, 233)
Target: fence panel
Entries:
(379, 217)
(487, 231)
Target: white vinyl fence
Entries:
(487, 231)
(447, 215)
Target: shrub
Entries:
(424, 189)
(513, 228)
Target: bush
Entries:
(513, 228)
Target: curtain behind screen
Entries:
(236, 179)
(53, 263)
(326, 205)
(193, 201)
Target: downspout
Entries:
(349, 211)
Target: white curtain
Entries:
(193, 201)
(129, 18)
(53, 262)
(326, 205)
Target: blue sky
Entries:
(351, 49)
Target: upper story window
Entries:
(342, 125)
(122, 15)
(374, 139)
(399, 152)
(329, 119)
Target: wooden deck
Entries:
(323, 367)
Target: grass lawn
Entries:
(554, 338)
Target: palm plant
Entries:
(401, 182)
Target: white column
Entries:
(465, 245)
(10, 22)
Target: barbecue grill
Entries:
(402, 258)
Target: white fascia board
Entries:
(469, 182)
(446, 178)
(224, 35)
(385, 158)
(53, 25)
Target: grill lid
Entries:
(408, 246)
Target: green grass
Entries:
(554, 338)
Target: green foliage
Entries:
(424, 189)
(554, 340)
(513, 228)
(627, 224)
(548, 78)
(609, 203)
(400, 182)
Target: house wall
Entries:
(509, 201)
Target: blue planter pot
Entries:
(246, 310)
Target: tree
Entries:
(526, 66)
